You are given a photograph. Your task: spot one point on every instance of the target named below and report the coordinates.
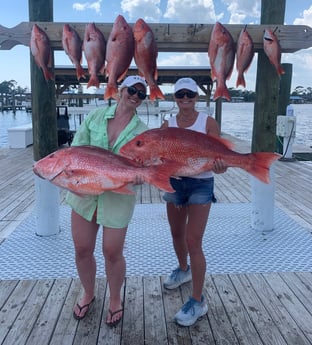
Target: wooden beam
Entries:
(43, 93)
(169, 37)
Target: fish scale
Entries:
(90, 170)
(193, 152)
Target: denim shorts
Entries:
(190, 190)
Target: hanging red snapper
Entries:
(244, 55)
(94, 47)
(193, 152)
(41, 50)
(145, 56)
(119, 53)
(272, 49)
(91, 170)
(72, 45)
(221, 52)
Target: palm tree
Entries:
(7, 89)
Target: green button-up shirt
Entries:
(113, 210)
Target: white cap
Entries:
(185, 83)
(132, 80)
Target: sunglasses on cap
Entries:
(188, 94)
(133, 90)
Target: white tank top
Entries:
(199, 126)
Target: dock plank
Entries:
(154, 325)
(270, 309)
(239, 318)
(281, 319)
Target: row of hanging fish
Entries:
(221, 52)
(124, 43)
(112, 57)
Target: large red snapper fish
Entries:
(272, 49)
(41, 50)
(244, 55)
(221, 52)
(119, 53)
(72, 45)
(91, 170)
(94, 47)
(145, 56)
(193, 152)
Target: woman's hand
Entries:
(219, 166)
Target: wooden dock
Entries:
(271, 308)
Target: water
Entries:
(237, 120)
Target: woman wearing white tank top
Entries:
(188, 207)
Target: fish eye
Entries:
(139, 143)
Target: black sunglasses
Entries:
(133, 90)
(188, 94)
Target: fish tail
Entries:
(93, 81)
(260, 163)
(222, 91)
(111, 91)
(160, 177)
(47, 74)
(280, 70)
(240, 80)
(80, 72)
(155, 92)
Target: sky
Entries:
(14, 64)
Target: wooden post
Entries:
(264, 127)
(218, 111)
(43, 92)
(44, 130)
(283, 100)
(267, 86)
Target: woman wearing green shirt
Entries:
(110, 128)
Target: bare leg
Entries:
(84, 237)
(115, 266)
(197, 221)
(177, 217)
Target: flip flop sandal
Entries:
(111, 313)
(86, 306)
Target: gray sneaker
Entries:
(191, 311)
(177, 278)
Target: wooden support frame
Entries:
(169, 37)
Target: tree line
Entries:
(10, 91)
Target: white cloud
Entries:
(147, 9)
(306, 18)
(240, 9)
(183, 59)
(302, 59)
(195, 11)
(82, 6)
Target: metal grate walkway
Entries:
(230, 245)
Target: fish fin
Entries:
(93, 81)
(122, 76)
(280, 70)
(102, 69)
(222, 91)
(111, 92)
(241, 81)
(47, 74)
(124, 190)
(227, 143)
(80, 72)
(160, 176)
(155, 92)
(260, 163)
